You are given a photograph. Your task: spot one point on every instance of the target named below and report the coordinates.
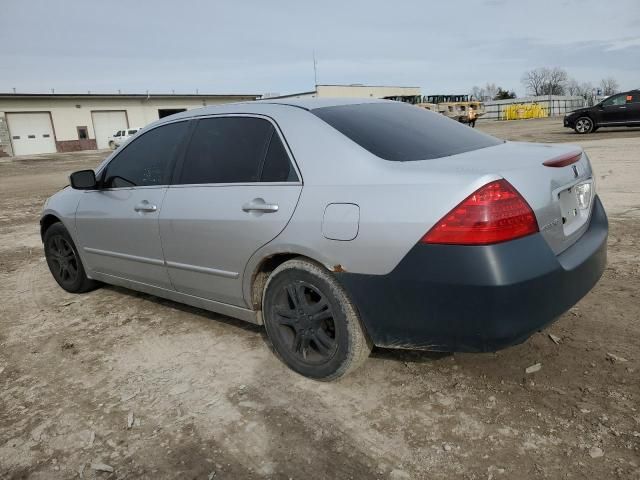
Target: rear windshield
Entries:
(401, 132)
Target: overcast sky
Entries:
(235, 46)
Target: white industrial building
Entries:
(357, 90)
(46, 123)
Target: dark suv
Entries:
(619, 110)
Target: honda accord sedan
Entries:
(338, 225)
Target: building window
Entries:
(83, 133)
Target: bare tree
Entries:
(556, 80)
(545, 81)
(534, 80)
(609, 86)
(488, 92)
(477, 93)
(573, 87)
(586, 89)
(491, 90)
(587, 92)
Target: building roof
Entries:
(362, 85)
(128, 95)
(311, 103)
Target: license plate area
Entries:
(574, 213)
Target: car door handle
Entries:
(259, 205)
(145, 206)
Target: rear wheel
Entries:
(584, 125)
(311, 323)
(64, 262)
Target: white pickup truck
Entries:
(121, 136)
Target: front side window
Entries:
(614, 101)
(117, 134)
(399, 132)
(226, 150)
(147, 159)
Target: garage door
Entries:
(106, 123)
(31, 133)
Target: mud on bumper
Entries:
(478, 298)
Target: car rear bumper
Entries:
(478, 298)
(569, 123)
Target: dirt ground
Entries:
(208, 400)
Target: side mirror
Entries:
(83, 180)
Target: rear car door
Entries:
(117, 225)
(234, 192)
(633, 108)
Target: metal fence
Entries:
(553, 105)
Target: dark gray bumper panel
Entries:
(478, 298)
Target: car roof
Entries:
(261, 106)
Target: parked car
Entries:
(620, 110)
(121, 136)
(338, 225)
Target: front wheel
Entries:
(64, 262)
(584, 125)
(311, 323)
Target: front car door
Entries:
(116, 137)
(235, 191)
(118, 224)
(613, 110)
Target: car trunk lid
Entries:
(551, 191)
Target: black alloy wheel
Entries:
(312, 324)
(64, 261)
(305, 322)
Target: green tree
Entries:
(504, 94)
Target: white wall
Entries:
(69, 113)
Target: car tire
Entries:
(112, 145)
(64, 261)
(583, 125)
(312, 325)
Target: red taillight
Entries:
(493, 213)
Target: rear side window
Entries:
(277, 166)
(400, 132)
(146, 160)
(226, 150)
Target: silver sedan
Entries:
(338, 225)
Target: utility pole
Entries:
(315, 69)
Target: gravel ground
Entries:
(152, 389)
